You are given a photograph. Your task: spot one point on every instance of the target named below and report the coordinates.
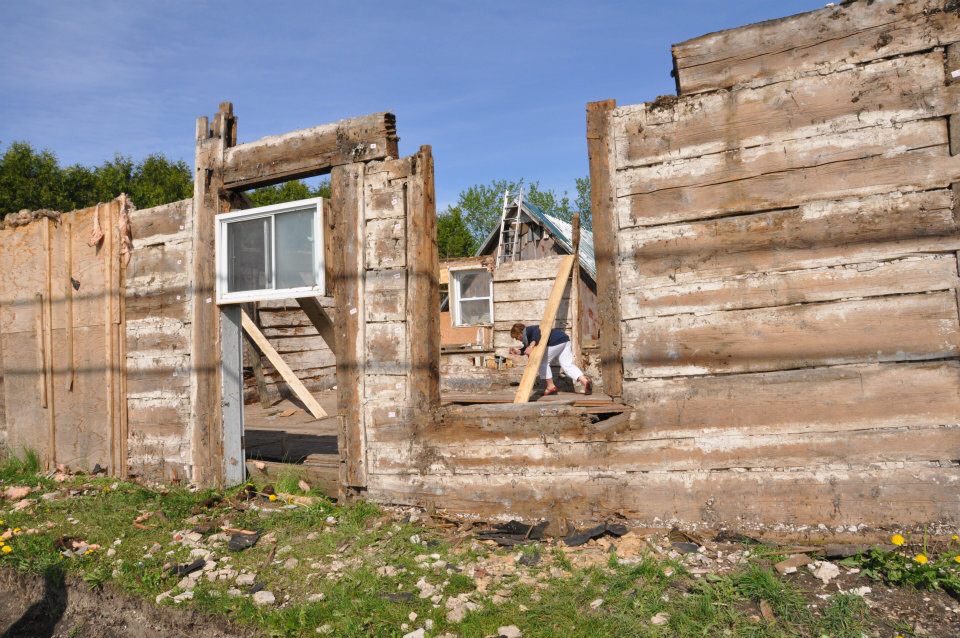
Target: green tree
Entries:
(482, 204)
(582, 202)
(156, 180)
(30, 179)
(453, 237)
(288, 192)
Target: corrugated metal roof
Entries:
(562, 232)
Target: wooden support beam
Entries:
(575, 336)
(277, 361)
(321, 321)
(309, 152)
(605, 231)
(546, 325)
(346, 203)
(250, 352)
(209, 199)
(423, 289)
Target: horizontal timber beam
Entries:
(309, 152)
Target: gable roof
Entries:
(562, 232)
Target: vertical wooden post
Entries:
(208, 200)
(605, 230)
(46, 307)
(575, 334)
(346, 185)
(423, 288)
(253, 356)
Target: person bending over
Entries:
(558, 348)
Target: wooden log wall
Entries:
(158, 338)
(296, 340)
(787, 269)
(781, 246)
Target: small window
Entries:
(472, 296)
(271, 252)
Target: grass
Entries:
(367, 568)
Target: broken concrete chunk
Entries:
(510, 631)
(791, 564)
(660, 619)
(262, 598)
(825, 571)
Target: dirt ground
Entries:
(56, 607)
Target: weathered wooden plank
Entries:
(423, 292)
(529, 269)
(532, 367)
(208, 200)
(386, 243)
(281, 366)
(321, 320)
(161, 224)
(742, 164)
(918, 169)
(898, 328)
(813, 235)
(309, 152)
(870, 279)
(347, 208)
(601, 148)
(890, 92)
(865, 495)
(709, 452)
(302, 359)
(387, 350)
(822, 40)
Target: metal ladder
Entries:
(510, 227)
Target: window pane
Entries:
(474, 312)
(474, 283)
(295, 258)
(248, 255)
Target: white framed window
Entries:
(471, 296)
(270, 252)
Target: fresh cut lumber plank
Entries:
(546, 325)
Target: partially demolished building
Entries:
(776, 253)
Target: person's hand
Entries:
(530, 348)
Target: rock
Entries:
(156, 547)
(596, 604)
(234, 592)
(111, 553)
(263, 598)
(325, 629)
(290, 563)
(510, 631)
(194, 537)
(16, 492)
(428, 624)
(240, 541)
(245, 580)
(660, 619)
(187, 595)
(163, 596)
(286, 549)
(861, 591)
(330, 520)
(791, 564)
(825, 571)
(415, 539)
(767, 612)
(187, 583)
(315, 598)
(22, 505)
(312, 536)
(412, 616)
(459, 606)
(418, 633)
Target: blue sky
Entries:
(497, 88)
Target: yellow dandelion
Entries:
(16, 530)
(272, 497)
(956, 558)
(6, 549)
(953, 538)
(897, 540)
(920, 559)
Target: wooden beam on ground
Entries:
(321, 321)
(605, 231)
(277, 361)
(546, 325)
(309, 152)
(575, 337)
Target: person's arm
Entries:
(533, 344)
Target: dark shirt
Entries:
(532, 333)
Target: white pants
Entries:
(564, 353)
